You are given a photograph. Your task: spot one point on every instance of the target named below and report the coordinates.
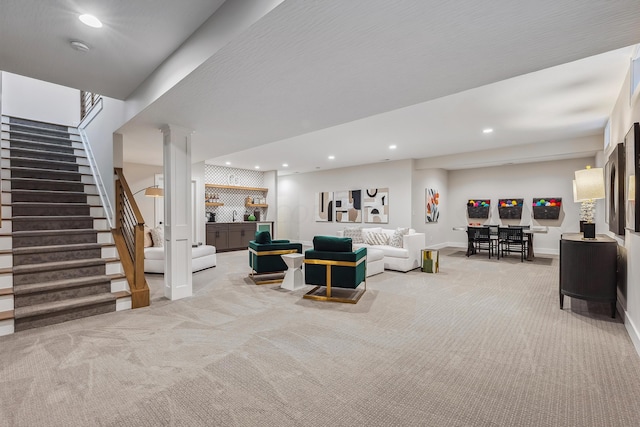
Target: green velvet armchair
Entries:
(265, 260)
(331, 264)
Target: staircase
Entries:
(56, 247)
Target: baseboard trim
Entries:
(632, 330)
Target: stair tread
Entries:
(46, 232)
(62, 283)
(36, 191)
(41, 170)
(57, 181)
(60, 135)
(6, 291)
(43, 143)
(121, 294)
(67, 304)
(56, 265)
(37, 160)
(50, 203)
(42, 127)
(36, 151)
(54, 218)
(56, 248)
(6, 315)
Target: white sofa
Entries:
(203, 256)
(402, 259)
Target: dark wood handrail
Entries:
(129, 238)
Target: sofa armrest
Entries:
(280, 241)
(414, 243)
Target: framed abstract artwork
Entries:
(431, 205)
(614, 185)
(348, 206)
(375, 202)
(632, 168)
(324, 206)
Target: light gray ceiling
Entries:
(137, 36)
(348, 78)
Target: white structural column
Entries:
(177, 212)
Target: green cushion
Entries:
(332, 244)
(341, 276)
(263, 237)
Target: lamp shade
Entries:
(154, 192)
(575, 195)
(590, 184)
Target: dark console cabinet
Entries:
(588, 269)
(227, 236)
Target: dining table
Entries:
(529, 232)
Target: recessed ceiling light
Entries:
(79, 46)
(285, 165)
(90, 20)
(227, 163)
(332, 157)
(257, 167)
(487, 130)
(393, 147)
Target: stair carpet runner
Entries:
(60, 267)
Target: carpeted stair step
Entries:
(49, 209)
(40, 146)
(48, 196)
(44, 164)
(45, 174)
(59, 270)
(50, 313)
(22, 239)
(58, 290)
(28, 153)
(45, 185)
(33, 137)
(27, 123)
(33, 223)
(55, 253)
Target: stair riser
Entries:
(59, 239)
(45, 210)
(41, 154)
(63, 316)
(61, 294)
(44, 164)
(49, 175)
(37, 258)
(69, 273)
(39, 136)
(47, 148)
(53, 224)
(18, 196)
(46, 186)
(16, 121)
(75, 144)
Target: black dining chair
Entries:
(480, 239)
(511, 239)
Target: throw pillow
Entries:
(263, 237)
(397, 238)
(148, 241)
(157, 235)
(355, 233)
(377, 239)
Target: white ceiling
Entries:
(349, 78)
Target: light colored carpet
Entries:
(482, 343)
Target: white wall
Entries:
(625, 113)
(100, 133)
(544, 179)
(141, 176)
(197, 174)
(297, 192)
(33, 99)
(435, 233)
